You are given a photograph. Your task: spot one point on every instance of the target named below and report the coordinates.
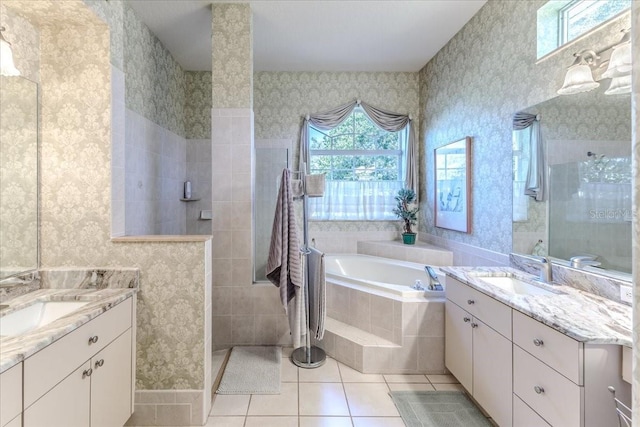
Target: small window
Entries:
(364, 167)
(561, 21)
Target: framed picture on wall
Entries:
(453, 185)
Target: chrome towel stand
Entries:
(308, 356)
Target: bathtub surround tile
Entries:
(421, 252)
(350, 375)
(431, 355)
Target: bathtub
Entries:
(384, 275)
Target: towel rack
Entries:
(307, 356)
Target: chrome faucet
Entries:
(434, 283)
(543, 263)
(582, 261)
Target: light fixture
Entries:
(7, 67)
(579, 77)
(619, 85)
(620, 61)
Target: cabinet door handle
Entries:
(538, 342)
(93, 339)
(538, 389)
(87, 373)
(467, 320)
(474, 325)
(99, 363)
(470, 301)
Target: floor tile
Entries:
(449, 387)
(323, 399)
(370, 400)
(350, 375)
(406, 379)
(410, 386)
(230, 404)
(285, 403)
(327, 373)
(325, 422)
(286, 351)
(288, 371)
(225, 422)
(378, 422)
(271, 422)
(442, 379)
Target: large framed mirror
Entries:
(18, 176)
(587, 207)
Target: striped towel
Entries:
(284, 265)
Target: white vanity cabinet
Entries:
(86, 377)
(564, 381)
(478, 349)
(11, 397)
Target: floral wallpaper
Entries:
(156, 85)
(24, 39)
(472, 87)
(18, 175)
(112, 12)
(76, 191)
(231, 43)
(198, 105)
(281, 99)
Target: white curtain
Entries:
(371, 200)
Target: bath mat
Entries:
(252, 370)
(438, 409)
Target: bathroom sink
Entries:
(36, 315)
(516, 286)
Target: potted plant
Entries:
(407, 210)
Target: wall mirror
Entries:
(587, 207)
(18, 176)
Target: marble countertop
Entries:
(14, 349)
(580, 315)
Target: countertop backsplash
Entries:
(588, 281)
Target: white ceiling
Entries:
(304, 35)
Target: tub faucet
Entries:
(418, 286)
(543, 263)
(582, 261)
(434, 283)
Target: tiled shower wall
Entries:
(155, 171)
(199, 173)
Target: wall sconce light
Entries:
(7, 67)
(579, 77)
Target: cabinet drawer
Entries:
(492, 312)
(557, 350)
(10, 394)
(523, 416)
(50, 365)
(557, 400)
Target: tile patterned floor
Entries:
(332, 395)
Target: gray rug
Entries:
(438, 409)
(252, 370)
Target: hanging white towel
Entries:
(317, 293)
(284, 263)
